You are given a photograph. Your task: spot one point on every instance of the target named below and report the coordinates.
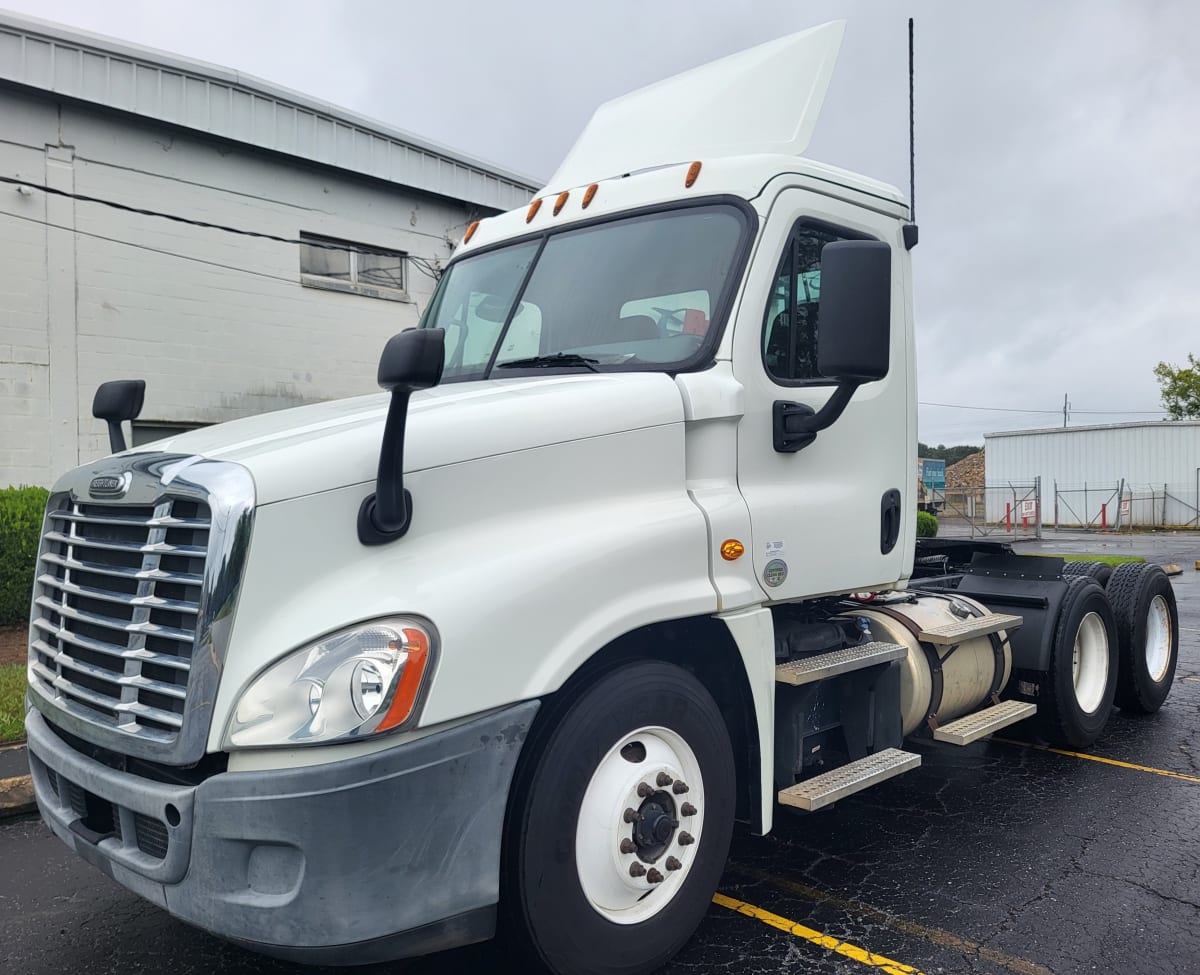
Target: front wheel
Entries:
(621, 822)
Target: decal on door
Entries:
(775, 573)
(774, 550)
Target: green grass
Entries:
(12, 702)
(1106, 559)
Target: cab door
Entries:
(838, 514)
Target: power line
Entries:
(1009, 409)
(113, 204)
(159, 250)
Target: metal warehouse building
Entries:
(1143, 474)
(220, 324)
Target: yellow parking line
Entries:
(1106, 761)
(844, 948)
(937, 936)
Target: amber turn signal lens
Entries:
(732, 549)
(561, 201)
(692, 173)
(588, 194)
(533, 209)
(401, 708)
(470, 232)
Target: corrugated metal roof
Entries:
(1055, 431)
(231, 105)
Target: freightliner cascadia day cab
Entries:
(626, 553)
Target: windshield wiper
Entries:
(545, 361)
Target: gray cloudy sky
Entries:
(1058, 148)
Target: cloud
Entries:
(1056, 148)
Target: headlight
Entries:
(361, 681)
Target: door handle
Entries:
(889, 521)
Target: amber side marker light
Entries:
(401, 708)
(692, 174)
(732, 549)
(561, 201)
(470, 232)
(533, 209)
(588, 194)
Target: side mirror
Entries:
(115, 402)
(856, 310)
(410, 361)
(854, 336)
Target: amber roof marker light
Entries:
(533, 209)
(470, 232)
(692, 174)
(561, 201)
(588, 194)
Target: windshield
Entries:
(636, 293)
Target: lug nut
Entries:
(628, 846)
(673, 864)
(636, 869)
(687, 809)
(654, 877)
(679, 788)
(632, 816)
(644, 790)
(663, 780)
(686, 839)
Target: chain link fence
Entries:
(1011, 510)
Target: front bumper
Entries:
(370, 859)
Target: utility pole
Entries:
(1065, 407)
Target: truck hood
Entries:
(297, 452)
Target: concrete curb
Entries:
(16, 796)
(16, 786)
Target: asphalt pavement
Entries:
(999, 857)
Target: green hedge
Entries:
(927, 525)
(21, 510)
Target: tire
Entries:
(1077, 695)
(1100, 571)
(568, 899)
(1143, 603)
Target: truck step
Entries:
(849, 779)
(971, 728)
(952, 634)
(811, 669)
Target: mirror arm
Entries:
(386, 514)
(796, 425)
(116, 436)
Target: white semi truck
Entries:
(626, 553)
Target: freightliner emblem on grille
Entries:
(110, 485)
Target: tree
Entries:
(1180, 388)
(951, 455)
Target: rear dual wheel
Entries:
(620, 822)
(1077, 693)
(1143, 601)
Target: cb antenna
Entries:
(910, 228)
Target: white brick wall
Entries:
(213, 343)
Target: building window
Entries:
(148, 431)
(361, 269)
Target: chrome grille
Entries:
(117, 599)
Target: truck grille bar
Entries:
(119, 591)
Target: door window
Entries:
(792, 320)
